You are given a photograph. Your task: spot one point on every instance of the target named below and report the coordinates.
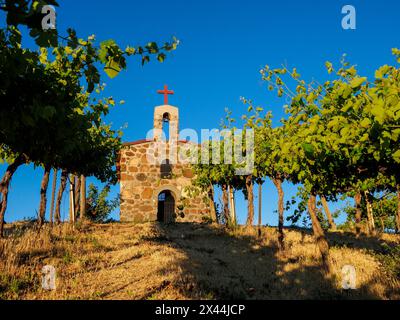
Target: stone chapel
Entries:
(154, 187)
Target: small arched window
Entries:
(166, 117)
(166, 170)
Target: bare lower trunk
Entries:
(398, 210)
(225, 202)
(77, 194)
(281, 238)
(53, 195)
(259, 207)
(250, 200)
(232, 203)
(319, 234)
(43, 196)
(213, 212)
(332, 224)
(71, 199)
(83, 197)
(382, 225)
(61, 190)
(5, 185)
(357, 200)
(370, 214)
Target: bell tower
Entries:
(166, 115)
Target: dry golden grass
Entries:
(186, 261)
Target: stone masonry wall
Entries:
(141, 183)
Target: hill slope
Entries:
(187, 261)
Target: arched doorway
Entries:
(166, 207)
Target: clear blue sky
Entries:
(223, 46)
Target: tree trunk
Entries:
(232, 204)
(83, 198)
(357, 200)
(370, 214)
(250, 200)
(77, 193)
(259, 207)
(4, 187)
(398, 210)
(225, 202)
(213, 212)
(53, 195)
(260, 204)
(43, 196)
(61, 190)
(332, 224)
(281, 238)
(382, 224)
(319, 234)
(71, 199)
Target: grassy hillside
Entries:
(190, 261)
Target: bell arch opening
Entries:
(166, 118)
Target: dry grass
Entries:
(186, 261)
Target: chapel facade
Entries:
(154, 184)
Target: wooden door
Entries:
(169, 208)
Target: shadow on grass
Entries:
(349, 239)
(219, 265)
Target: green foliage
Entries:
(180, 209)
(215, 174)
(344, 130)
(390, 259)
(12, 287)
(300, 209)
(206, 219)
(384, 207)
(67, 258)
(98, 206)
(29, 13)
(51, 106)
(339, 138)
(52, 121)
